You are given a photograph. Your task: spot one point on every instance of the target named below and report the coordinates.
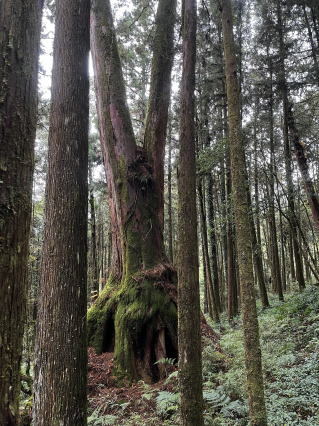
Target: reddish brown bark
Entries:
(136, 188)
(159, 98)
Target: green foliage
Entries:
(289, 341)
(209, 157)
(168, 361)
(167, 403)
(172, 376)
(290, 345)
(96, 419)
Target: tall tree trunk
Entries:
(232, 281)
(312, 44)
(232, 285)
(20, 23)
(315, 24)
(159, 98)
(283, 257)
(212, 304)
(189, 335)
(145, 298)
(169, 200)
(255, 231)
(213, 241)
(259, 269)
(206, 301)
(287, 149)
(257, 409)
(223, 230)
(302, 161)
(94, 263)
(61, 354)
(274, 253)
(291, 259)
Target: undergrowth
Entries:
(290, 347)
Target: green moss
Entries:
(135, 306)
(99, 314)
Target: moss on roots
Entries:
(128, 321)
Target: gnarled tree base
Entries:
(138, 322)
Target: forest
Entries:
(159, 212)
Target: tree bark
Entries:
(94, 262)
(170, 200)
(257, 409)
(213, 241)
(211, 297)
(312, 44)
(274, 253)
(189, 335)
(302, 162)
(61, 345)
(232, 285)
(159, 98)
(20, 24)
(145, 295)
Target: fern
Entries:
(167, 403)
(96, 419)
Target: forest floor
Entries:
(290, 346)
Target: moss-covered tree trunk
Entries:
(136, 314)
(257, 410)
(20, 23)
(61, 344)
(189, 336)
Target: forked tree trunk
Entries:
(136, 317)
(257, 409)
(189, 335)
(61, 344)
(20, 23)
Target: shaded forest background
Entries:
(260, 69)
